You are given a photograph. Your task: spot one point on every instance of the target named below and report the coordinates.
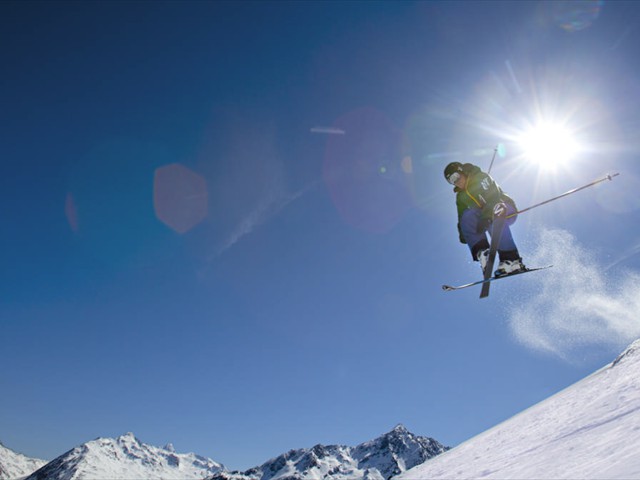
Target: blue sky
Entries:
(185, 259)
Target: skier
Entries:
(479, 198)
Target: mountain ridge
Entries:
(125, 457)
(377, 459)
(16, 465)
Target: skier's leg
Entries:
(510, 260)
(507, 243)
(477, 242)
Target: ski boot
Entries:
(510, 263)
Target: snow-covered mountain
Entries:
(591, 430)
(14, 465)
(378, 459)
(127, 458)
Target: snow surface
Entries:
(590, 430)
(15, 465)
(125, 458)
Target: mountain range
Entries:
(128, 458)
(378, 459)
(588, 431)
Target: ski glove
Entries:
(500, 210)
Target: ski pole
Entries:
(493, 158)
(608, 177)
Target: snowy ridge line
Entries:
(14, 465)
(378, 459)
(629, 351)
(125, 458)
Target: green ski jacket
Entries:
(481, 191)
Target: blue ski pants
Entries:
(469, 229)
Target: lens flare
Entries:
(71, 212)
(366, 171)
(575, 15)
(180, 197)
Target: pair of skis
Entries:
(448, 288)
(496, 233)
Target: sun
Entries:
(548, 145)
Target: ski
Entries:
(496, 234)
(449, 288)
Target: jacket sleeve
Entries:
(491, 194)
(460, 207)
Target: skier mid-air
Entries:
(483, 207)
(479, 199)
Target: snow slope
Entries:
(125, 458)
(378, 459)
(15, 465)
(590, 430)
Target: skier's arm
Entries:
(491, 195)
(460, 207)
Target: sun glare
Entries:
(548, 145)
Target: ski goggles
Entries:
(453, 178)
